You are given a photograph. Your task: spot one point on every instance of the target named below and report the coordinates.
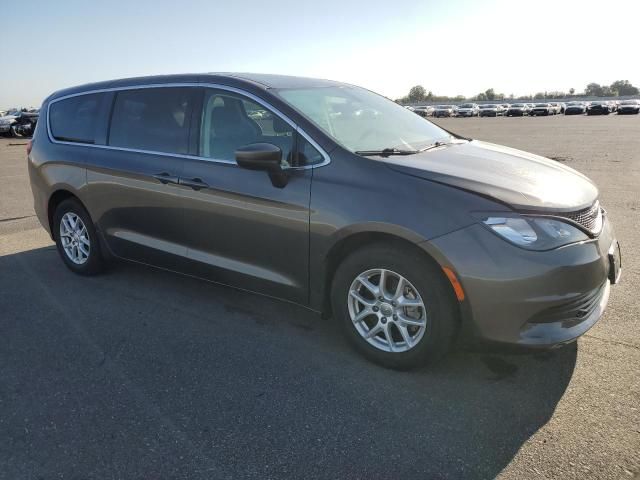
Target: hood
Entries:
(522, 180)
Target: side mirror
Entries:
(263, 156)
(259, 156)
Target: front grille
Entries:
(589, 218)
(573, 312)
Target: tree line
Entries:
(619, 88)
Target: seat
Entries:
(231, 128)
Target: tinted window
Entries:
(155, 119)
(74, 119)
(231, 121)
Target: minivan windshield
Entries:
(361, 120)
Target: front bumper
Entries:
(5, 128)
(522, 297)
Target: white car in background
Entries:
(491, 110)
(445, 111)
(556, 107)
(468, 110)
(424, 110)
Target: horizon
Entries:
(381, 51)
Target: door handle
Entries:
(194, 183)
(165, 178)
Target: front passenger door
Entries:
(241, 230)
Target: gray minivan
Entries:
(330, 196)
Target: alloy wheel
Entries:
(74, 238)
(387, 310)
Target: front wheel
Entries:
(76, 238)
(394, 306)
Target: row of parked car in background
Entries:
(598, 107)
(21, 122)
(18, 122)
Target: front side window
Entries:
(307, 153)
(74, 119)
(230, 121)
(154, 119)
(361, 120)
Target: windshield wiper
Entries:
(385, 152)
(433, 145)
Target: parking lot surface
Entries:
(141, 373)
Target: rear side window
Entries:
(74, 119)
(155, 119)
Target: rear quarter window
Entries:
(74, 119)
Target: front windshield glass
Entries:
(466, 105)
(629, 102)
(518, 105)
(486, 106)
(542, 104)
(361, 120)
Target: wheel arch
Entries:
(350, 243)
(56, 198)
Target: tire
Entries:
(438, 313)
(94, 262)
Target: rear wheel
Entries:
(395, 307)
(76, 238)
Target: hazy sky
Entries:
(450, 46)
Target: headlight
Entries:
(533, 233)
